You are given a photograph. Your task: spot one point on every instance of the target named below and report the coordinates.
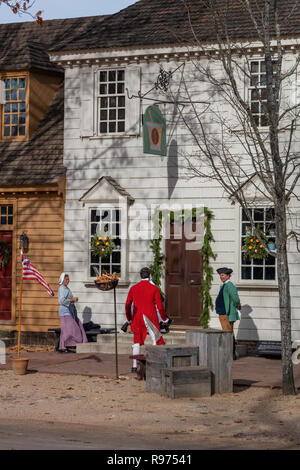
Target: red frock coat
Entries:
(145, 297)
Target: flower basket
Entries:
(102, 246)
(254, 247)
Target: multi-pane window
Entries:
(6, 215)
(259, 269)
(111, 101)
(14, 109)
(106, 221)
(258, 91)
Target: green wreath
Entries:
(102, 246)
(4, 253)
(254, 247)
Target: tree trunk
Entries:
(288, 385)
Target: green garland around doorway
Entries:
(157, 267)
(207, 255)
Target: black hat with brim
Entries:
(224, 271)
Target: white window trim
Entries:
(257, 284)
(124, 236)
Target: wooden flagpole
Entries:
(20, 309)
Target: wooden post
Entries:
(116, 340)
(20, 309)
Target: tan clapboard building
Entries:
(32, 175)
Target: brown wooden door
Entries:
(5, 280)
(183, 279)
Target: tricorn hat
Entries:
(224, 271)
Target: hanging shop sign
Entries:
(154, 131)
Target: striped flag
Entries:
(32, 274)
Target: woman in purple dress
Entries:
(72, 331)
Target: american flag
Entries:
(32, 274)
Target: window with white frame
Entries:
(258, 91)
(111, 101)
(106, 220)
(259, 269)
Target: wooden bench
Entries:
(141, 366)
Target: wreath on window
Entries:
(102, 246)
(254, 247)
(4, 254)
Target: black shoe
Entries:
(64, 351)
(169, 322)
(133, 369)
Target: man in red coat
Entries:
(140, 309)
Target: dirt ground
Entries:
(248, 418)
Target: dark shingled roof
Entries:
(157, 22)
(39, 161)
(24, 45)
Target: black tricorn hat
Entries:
(224, 271)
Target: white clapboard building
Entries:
(111, 179)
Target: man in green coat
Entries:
(227, 302)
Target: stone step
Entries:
(106, 343)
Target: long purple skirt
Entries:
(71, 333)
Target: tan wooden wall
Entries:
(41, 217)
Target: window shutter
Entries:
(87, 102)
(2, 92)
(133, 105)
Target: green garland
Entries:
(157, 267)
(207, 254)
(4, 253)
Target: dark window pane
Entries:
(270, 214)
(270, 260)
(103, 127)
(22, 107)
(116, 215)
(95, 215)
(93, 229)
(112, 102)
(6, 119)
(94, 258)
(103, 115)
(14, 107)
(105, 215)
(6, 131)
(7, 107)
(112, 114)
(254, 67)
(264, 121)
(14, 95)
(7, 83)
(254, 80)
(10, 210)
(121, 75)
(121, 114)
(22, 119)
(105, 260)
(21, 94)
(103, 103)
(112, 76)
(103, 89)
(246, 273)
(255, 107)
(116, 268)
(116, 257)
(105, 267)
(112, 88)
(121, 126)
(10, 220)
(254, 95)
(21, 130)
(263, 93)
(270, 274)
(103, 76)
(120, 88)
(14, 83)
(3, 210)
(258, 262)
(258, 214)
(112, 127)
(14, 119)
(245, 259)
(258, 273)
(21, 82)
(121, 101)
(3, 220)
(14, 131)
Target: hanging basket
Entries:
(105, 286)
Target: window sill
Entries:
(109, 136)
(251, 285)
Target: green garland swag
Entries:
(4, 253)
(157, 267)
(207, 254)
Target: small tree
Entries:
(247, 145)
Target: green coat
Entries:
(231, 300)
